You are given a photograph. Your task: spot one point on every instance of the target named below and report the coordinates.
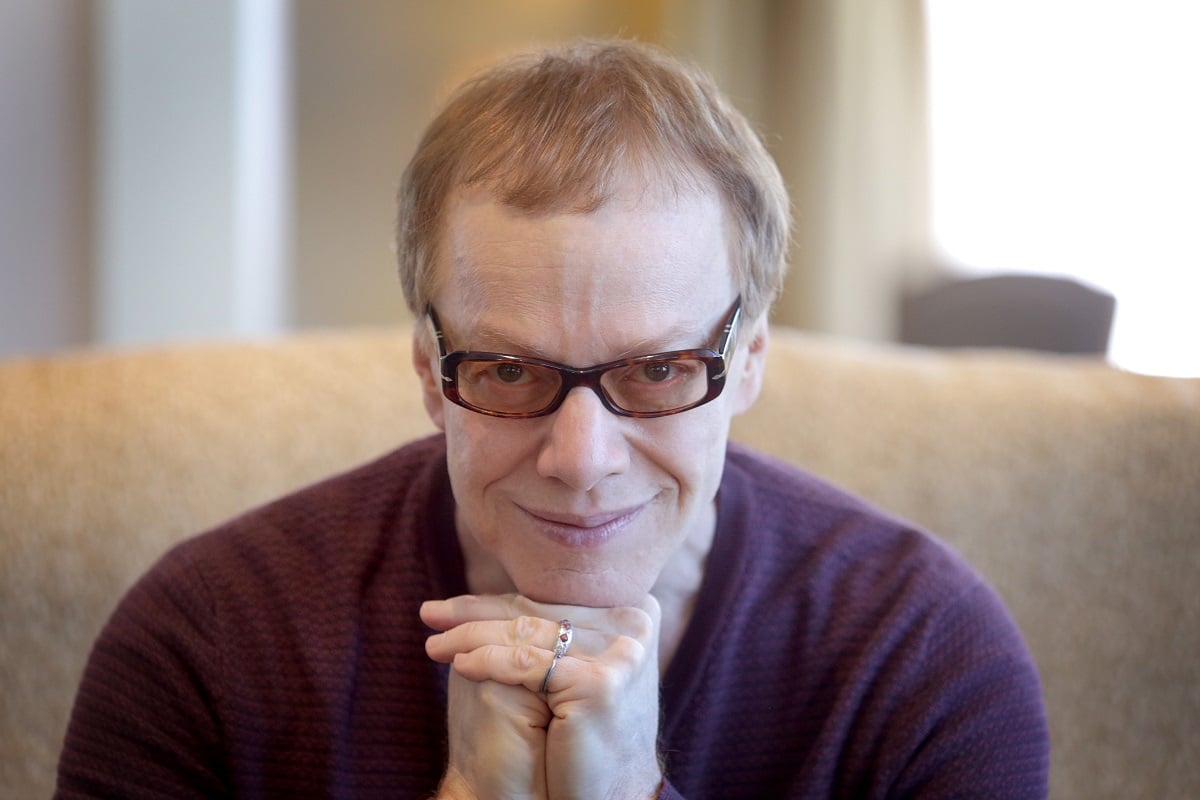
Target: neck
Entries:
(678, 586)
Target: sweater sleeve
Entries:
(846, 654)
(955, 711)
(974, 723)
(144, 723)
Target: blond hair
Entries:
(560, 129)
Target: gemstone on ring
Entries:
(565, 634)
(561, 643)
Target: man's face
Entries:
(583, 506)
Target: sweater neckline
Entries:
(722, 575)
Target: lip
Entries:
(583, 531)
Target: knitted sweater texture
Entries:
(835, 652)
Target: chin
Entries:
(582, 589)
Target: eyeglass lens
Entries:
(515, 387)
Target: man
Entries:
(580, 589)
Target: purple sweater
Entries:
(834, 652)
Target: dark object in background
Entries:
(1031, 312)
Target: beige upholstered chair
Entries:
(1074, 487)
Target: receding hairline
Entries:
(626, 195)
(549, 131)
(620, 96)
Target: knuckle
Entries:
(627, 650)
(526, 657)
(523, 605)
(634, 622)
(525, 629)
(608, 684)
(491, 657)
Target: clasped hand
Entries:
(592, 734)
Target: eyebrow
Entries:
(486, 338)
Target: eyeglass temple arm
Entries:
(728, 336)
(438, 336)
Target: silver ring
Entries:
(563, 641)
(549, 672)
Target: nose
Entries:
(585, 443)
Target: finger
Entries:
(532, 668)
(567, 685)
(442, 615)
(653, 610)
(521, 631)
(553, 637)
(566, 678)
(511, 666)
(445, 614)
(639, 622)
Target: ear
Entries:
(748, 379)
(431, 380)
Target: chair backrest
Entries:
(1032, 312)
(1070, 485)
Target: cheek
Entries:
(481, 451)
(686, 450)
(691, 448)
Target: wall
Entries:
(152, 223)
(368, 76)
(45, 202)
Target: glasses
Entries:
(649, 386)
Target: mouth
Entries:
(583, 531)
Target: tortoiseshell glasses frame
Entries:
(645, 387)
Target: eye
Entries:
(664, 373)
(657, 371)
(509, 373)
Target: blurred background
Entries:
(184, 169)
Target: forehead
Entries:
(638, 260)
